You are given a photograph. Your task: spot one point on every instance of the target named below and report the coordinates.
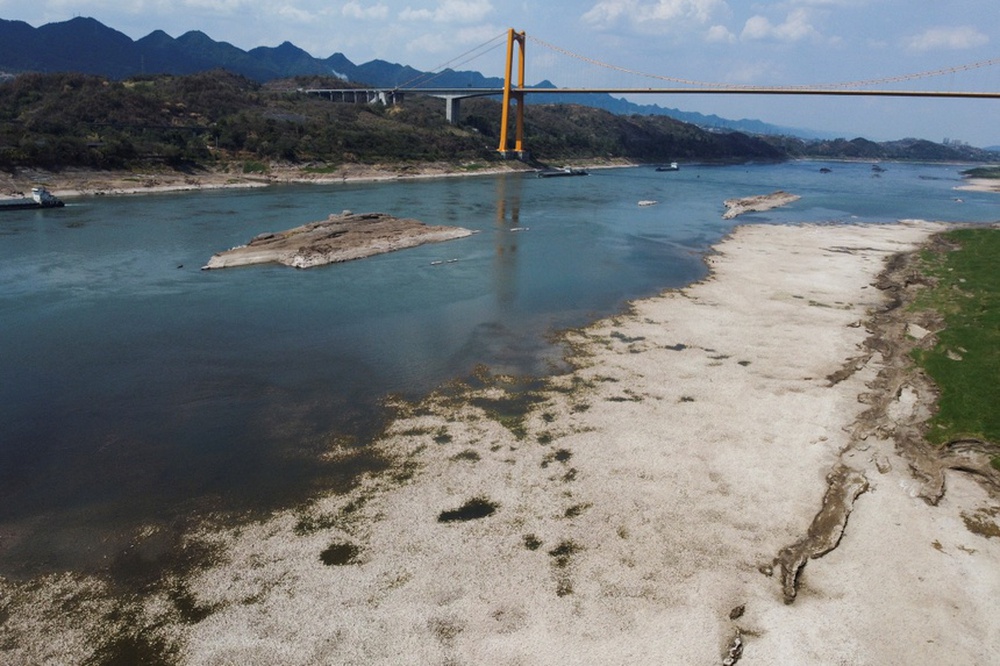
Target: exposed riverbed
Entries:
(147, 393)
(661, 500)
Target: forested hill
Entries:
(200, 120)
(60, 120)
(88, 46)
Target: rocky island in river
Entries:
(758, 203)
(338, 238)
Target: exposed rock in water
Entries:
(758, 203)
(339, 238)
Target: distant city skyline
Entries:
(779, 43)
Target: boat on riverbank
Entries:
(40, 198)
(563, 171)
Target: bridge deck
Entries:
(484, 92)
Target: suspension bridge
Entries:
(514, 89)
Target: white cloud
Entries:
(296, 15)
(446, 42)
(965, 37)
(95, 7)
(608, 11)
(410, 14)
(639, 12)
(720, 34)
(218, 6)
(356, 10)
(795, 28)
(451, 11)
(751, 72)
(833, 3)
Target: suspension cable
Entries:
(493, 43)
(734, 86)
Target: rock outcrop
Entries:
(339, 238)
(758, 203)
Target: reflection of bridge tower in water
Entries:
(508, 218)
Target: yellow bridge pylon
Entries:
(509, 94)
(852, 89)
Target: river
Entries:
(138, 390)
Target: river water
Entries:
(136, 389)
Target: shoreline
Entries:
(73, 183)
(980, 185)
(79, 183)
(631, 510)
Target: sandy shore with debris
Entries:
(631, 511)
(90, 182)
(980, 185)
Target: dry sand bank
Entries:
(86, 182)
(637, 508)
(981, 185)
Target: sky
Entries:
(752, 42)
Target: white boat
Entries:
(40, 198)
(564, 171)
(672, 167)
(44, 198)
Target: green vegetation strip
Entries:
(965, 362)
(983, 172)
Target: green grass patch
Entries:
(983, 172)
(321, 170)
(255, 167)
(965, 362)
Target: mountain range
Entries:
(88, 46)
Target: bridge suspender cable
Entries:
(516, 93)
(823, 86)
(457, 61)
(846, 88)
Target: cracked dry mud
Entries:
(844, 485)
(901, 399)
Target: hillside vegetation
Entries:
(54, 121)
(863, 149)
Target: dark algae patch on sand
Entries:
(340, 553)
(964, 360)
(475, 508)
